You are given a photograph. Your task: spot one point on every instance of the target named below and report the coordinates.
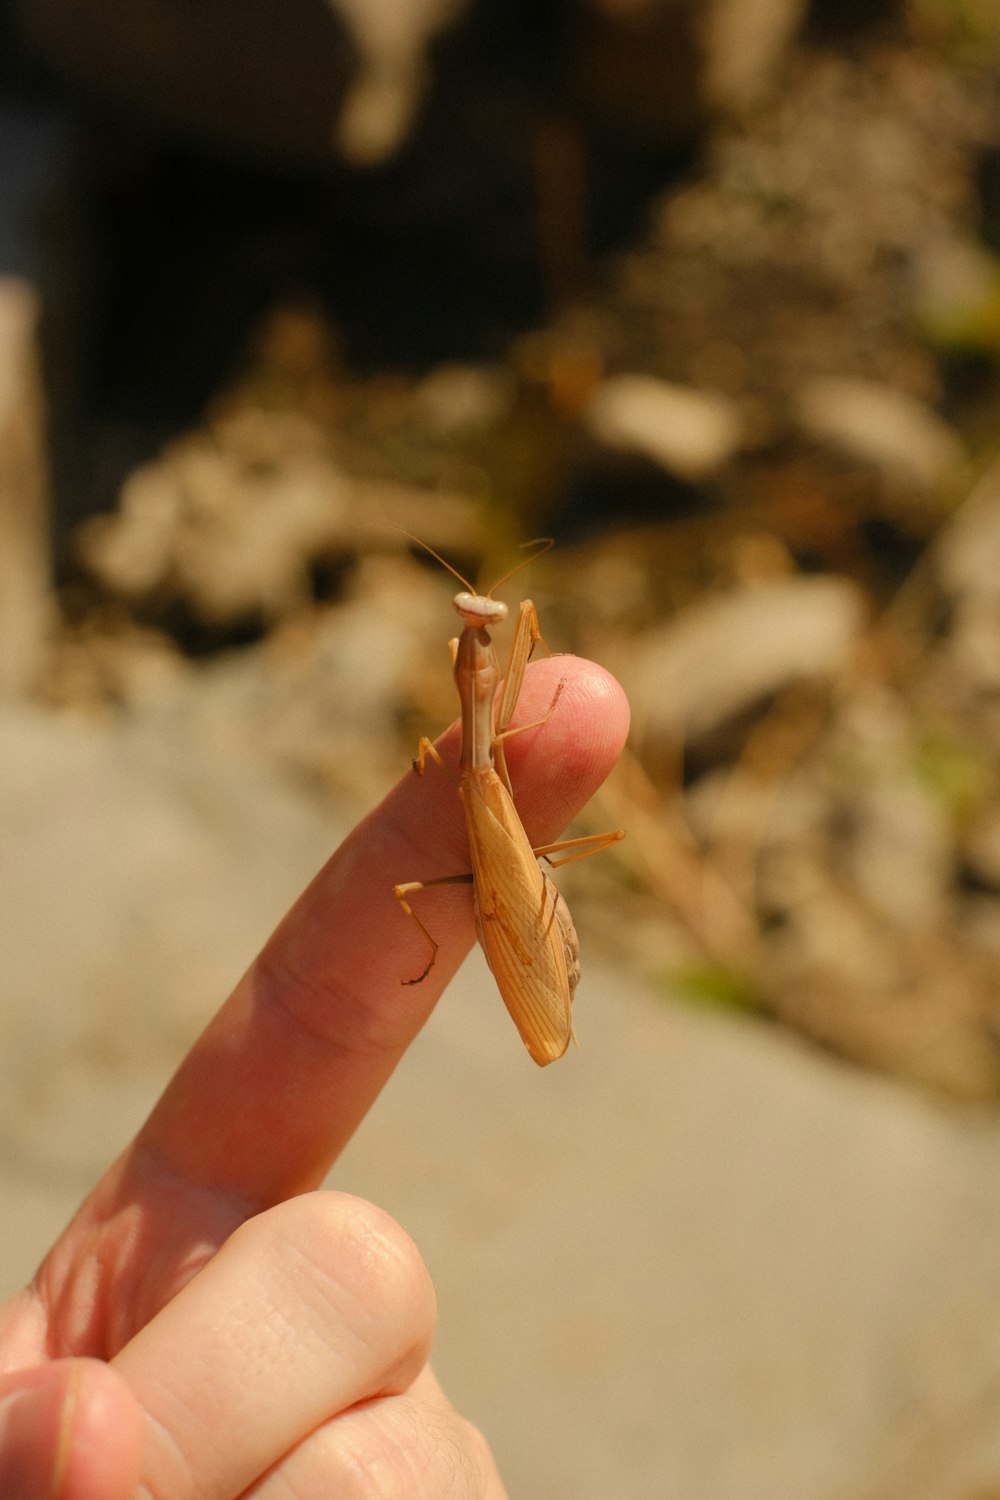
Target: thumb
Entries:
(69, 1430)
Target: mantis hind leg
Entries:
(591, 843)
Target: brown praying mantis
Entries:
(523, 923)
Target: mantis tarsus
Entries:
(522, 921)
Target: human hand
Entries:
(209, 1325)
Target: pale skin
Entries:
(212, 1325)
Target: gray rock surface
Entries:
(696, 1260)
(693, 1261)
(722, 655)
(688, 432)
(138, 877)
(880, 425)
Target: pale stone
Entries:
(745, 41)
(392, 42)
(967, 552)
(878, 424)
(694, 1259)
(140, 872)
(26, 610)
(717, 1264)
(689, 432)
(722, 656)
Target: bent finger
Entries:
(308, 1309)
(404, 1447)
(392, 1448)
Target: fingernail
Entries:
(31, 1425)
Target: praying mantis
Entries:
(523, 924)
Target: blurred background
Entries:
(708, 291)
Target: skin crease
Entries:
(210, 1325)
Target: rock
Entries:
(690, 433)
(965, 564)
(232, 518)
(229, 530)
(892, 839)
(720, 657)
(966, 554)
(322, 696)
(685, 1205)
(745, 42)
(688, 1202)
(899, 855)
(872, 422)
(461, 398)
(392, 42)
(140, 873)
(26, 609)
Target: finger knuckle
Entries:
(403, 1451)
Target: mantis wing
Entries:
(524, 925)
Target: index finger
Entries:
(277, 1084)
(274, 1088)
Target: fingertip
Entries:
(604, 712)
(588, 723)
(557, 768)
(591, 705)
